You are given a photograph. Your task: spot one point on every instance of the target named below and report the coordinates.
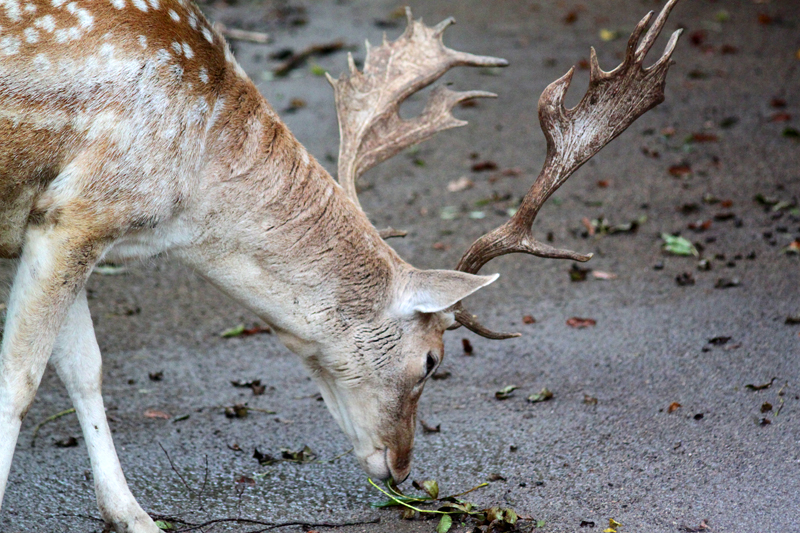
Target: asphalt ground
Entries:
(606, 445)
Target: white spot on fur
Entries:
(176, 47)
(31, 35)
(85, 19)
(58, 3)
(304, 156)
(187, 51)
(12, 9)
(143, 41)
(30, 8)
(154, 4)
(193, 21)
(119, 4)
(9, 45)
(174, 16)
(107, 50)
(204, 75)
(41, 62)
(67, 34)
(207, 34)
(163, 56)
(47, 23)
(141, 5)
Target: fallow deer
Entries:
(128, 130)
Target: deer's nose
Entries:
(399, 465)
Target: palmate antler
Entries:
(371, 129)
(613, 102)
(367, 103)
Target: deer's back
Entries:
(136, 84)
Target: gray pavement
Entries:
(626, 457)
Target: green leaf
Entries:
(306, 455)
(431, 487)
(494, 513)
(476, 215)
(233, 332)
(317, 70)
(790, 132)
(678, 245)
(510, 516)
(540, 524)
(445, 523)
(722, 16)
(398, 500)
(544, 395)
(163, 525)
(505, 392)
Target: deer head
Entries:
(376, 404)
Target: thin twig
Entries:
(318, 524)
(242, 35)
(470, 490)
(46, 420)
(175, 469)
(295, 60)
(268, 525)
(335, 458)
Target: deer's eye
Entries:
(430, 364)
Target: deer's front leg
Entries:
(55, 262)
(76, 357)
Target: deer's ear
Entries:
(431, 291)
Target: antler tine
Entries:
(655, 30)
(613, 102)
(367, 102)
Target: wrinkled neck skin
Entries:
(275, 232)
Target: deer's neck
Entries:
(278, 234)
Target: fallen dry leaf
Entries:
(700, 225)
(718, 341)
(780, 117)
(483, 166)
(674, 406)
(599, 274)
(681, 170)
(528, 319)
(461, 184)
(67, 442)
(704, 138)
(763, 386)
(153, 413)
(467, 346)
(580, 323)
(588, 225)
